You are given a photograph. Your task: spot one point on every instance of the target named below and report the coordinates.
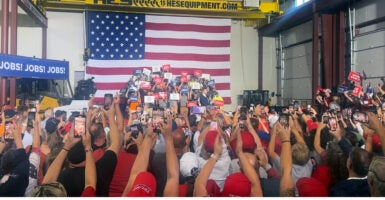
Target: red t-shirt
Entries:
(121, 173)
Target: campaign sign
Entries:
(137, 72)
(20, 66)
(155, 69)
(183, 79)
(149, 99)
(342, 89)
(198, 110)
(184, 90)
(145, 85)
(166, 68)
(192, 104)
(162, 95)
(174, 96)
(196, 86)
(167, 75)
(354, 76)
(211, 83)
(198, 73)
(133, 98)
(156, 96)
(206, 76)
(157, 80)
(147, 72)
(357, 90)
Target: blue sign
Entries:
(20, 66)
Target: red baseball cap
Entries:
(210, 141)
(212, 188)
(144, 186)
(311, 187)
(248, 143)
(236, 185)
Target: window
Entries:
(300, 2)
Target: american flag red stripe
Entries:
(182, 42)
(186, 43)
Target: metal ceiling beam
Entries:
(302, 14)
(238, 14)
(33, 12)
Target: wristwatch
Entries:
(214, 156)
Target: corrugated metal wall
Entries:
(369, 41)
(295, 63)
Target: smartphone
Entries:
(332, 123)
(213, 126)
(107, 101)
(155, 124)
(360, 117)
(8, 135)
(80, 126)
(31, 117)
(284, 120)
(325, 119)
(134, 131)
(241, 124)
(339, 114)
(84, 111)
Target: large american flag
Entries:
(119, 43)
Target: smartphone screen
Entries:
(360, 117)
(325, 119)
(107, 101)
(8, 131)
(80, 126)
(31, 117)
(332, 123)
(213, 126)
(134, 131)
(284, 120)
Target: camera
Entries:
(243, 113)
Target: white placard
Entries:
(149, 99)
(167, 76)
(174, 96)
(196, 86)
(206, 76)
(156, 69)
(146, 72)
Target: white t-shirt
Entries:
(221, 167)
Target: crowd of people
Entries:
(168, 149)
